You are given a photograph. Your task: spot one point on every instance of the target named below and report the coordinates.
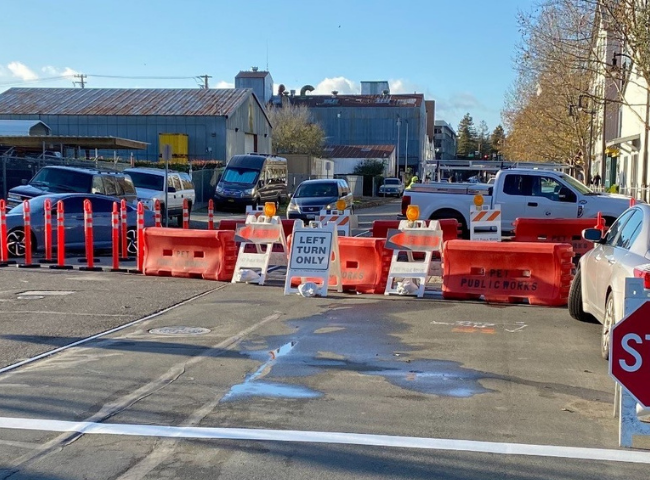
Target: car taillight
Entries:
(406, 201)
(644, 273)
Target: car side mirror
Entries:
(592, 235)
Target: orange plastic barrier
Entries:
(507, 272)
(365, 263)
(228, 224)
(449, 226)
(555, 230)
(207, 254)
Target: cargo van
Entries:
(252, 179)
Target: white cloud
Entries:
(224, 84)
(340, 84)
(57, 72)
(21, 71)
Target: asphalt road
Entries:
(209, 380)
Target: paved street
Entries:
(211, 380)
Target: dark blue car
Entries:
(73, 205)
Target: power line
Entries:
(127, 77)
(35, 80)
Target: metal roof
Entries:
(19, 127)
(252, 74)
(117, 101)
(104, 143)
(401, 100)
(358, 151)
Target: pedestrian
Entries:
(596, 180)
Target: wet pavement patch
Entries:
(347, 343)
(179, 330)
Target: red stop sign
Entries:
(629, 359)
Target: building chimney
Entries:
(335, 93)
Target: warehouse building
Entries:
(202, 124)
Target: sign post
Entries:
(167, 155)
(629, 361)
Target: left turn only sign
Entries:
(310, 250)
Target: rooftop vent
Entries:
(254, 69)
(335, 93)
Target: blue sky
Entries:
(459, 53)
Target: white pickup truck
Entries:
(521, 193)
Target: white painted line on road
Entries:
(103, 334)
(75, 314)
(162, 431)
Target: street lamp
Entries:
(338, 123)
(406, 150)
(399, 124)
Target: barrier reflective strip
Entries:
(156, 213)
(211, 214)
(47, 207)
(115, 235)
(479, 216)
(4, 252)
(494, 216)
(88, 231)
(125, 252)
(140, 237)
(60, 234)
(27, 230)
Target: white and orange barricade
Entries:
(485, 224)
(343, 219)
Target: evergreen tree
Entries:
(497, 140)
(483, 140)
(467, 140)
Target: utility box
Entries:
(179, 143)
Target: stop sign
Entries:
(629, 359)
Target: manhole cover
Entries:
(179, 331)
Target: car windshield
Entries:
(391, 181)
(244, 176)
(321, 189)
(61, 180)
(580, 187)
(147, 180)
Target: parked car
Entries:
(150, 186)
(59, 179)
(598, 288)
(252, 179)
(391, 186)
(312, 196)
(74, 223)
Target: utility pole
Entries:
(81, 78)
(205, 80)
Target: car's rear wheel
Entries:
(575, 300)
(132, 241)
(608, 323)
(16, 242)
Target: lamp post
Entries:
(338, 123)
(406, 150)
(399, 124)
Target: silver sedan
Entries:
(598, 289)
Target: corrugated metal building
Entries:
(372, 120)
(260, 81)
(220, 123)
(347, 157)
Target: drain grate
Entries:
(179, 330)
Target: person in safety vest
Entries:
(414, 180)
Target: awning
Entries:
(633, 141)
(54, 141)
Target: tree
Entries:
(553, 75)
(497, 140)
(467, 140)
(483, 139)
(294, 131)
(369, 166)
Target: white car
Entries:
(391, 186)
(598, 288)
(150, 186)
